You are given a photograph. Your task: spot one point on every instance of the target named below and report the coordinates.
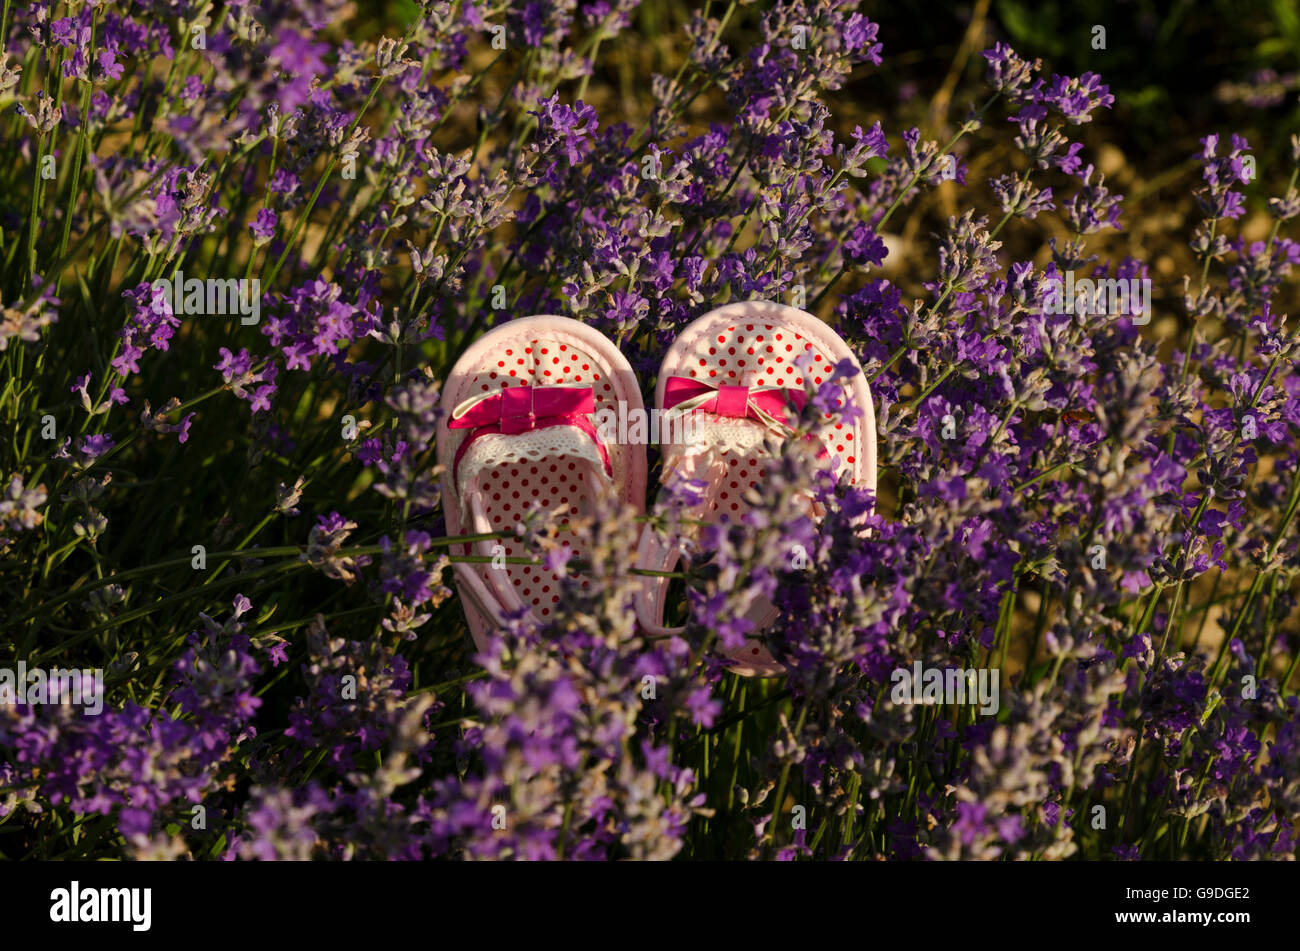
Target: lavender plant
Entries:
(242, 243)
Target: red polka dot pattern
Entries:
(757, 354)
(735, 351)
(555, 484)
(512, 492)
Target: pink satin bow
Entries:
(522, 409)
(762, 404)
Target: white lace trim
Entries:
(719, 434)
(499, 449)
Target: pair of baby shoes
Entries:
(535, 416)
